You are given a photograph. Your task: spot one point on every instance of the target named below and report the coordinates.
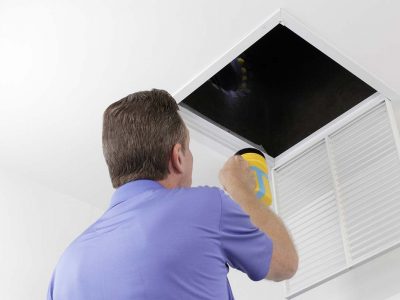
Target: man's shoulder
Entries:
(210, 191)
(203, 190)
(200, 194)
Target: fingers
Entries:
(242, 162)
(236, 175)
(238, 157)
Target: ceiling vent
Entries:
(330, 135)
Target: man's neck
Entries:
(169, 183)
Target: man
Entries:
(160, 238)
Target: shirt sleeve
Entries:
(246, 248)
(50, 288)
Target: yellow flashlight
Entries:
(259, 166)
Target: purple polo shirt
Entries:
(158, 243)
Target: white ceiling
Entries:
(63, 62)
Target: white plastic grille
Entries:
(367, 168)
(308, 207)
(340, 199)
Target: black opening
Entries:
(277, 92)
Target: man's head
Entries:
(144, 137)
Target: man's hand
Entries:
(236, 176)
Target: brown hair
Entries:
(139, 132)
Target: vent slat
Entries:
(345, 173)
(362, 135)
(369, 226)
(323, 229)
(371, 245)
(362, 122)
(310, 206)
(302, 163)
(313, 241)
(313, 217)
(350, 185)
(325, 250)
(350, 159)
(357, 212)
(323, 183)
(301, 185)
(302, 198)
(307, 155)
(315, 273)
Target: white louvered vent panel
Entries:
(361, 177)
(307, 204)
(367, 170)
(303, 180)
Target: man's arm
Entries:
(239, 181)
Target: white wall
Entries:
(63, 62)
(36, 225)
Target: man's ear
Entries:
(177, 159)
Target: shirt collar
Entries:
(133, 188)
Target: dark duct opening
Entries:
(277, 92)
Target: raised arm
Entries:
(239, 181)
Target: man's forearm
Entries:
(284, 260)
